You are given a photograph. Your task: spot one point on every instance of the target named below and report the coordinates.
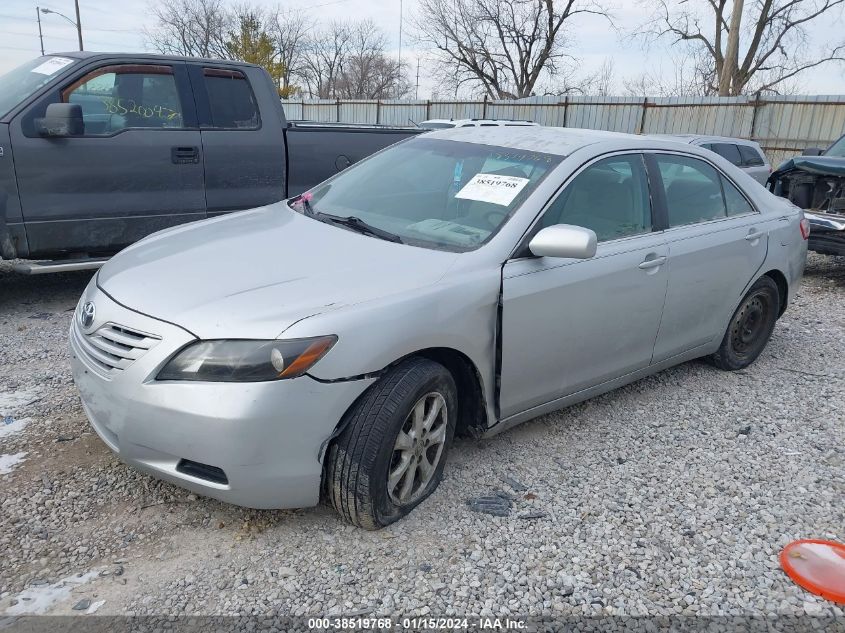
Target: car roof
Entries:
(561, 141)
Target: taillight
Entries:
(805, 228)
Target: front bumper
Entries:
(827, 233)
(266, 437)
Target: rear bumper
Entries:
(266, 437)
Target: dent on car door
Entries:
(717, 243)
(136, 168)
(570, 324)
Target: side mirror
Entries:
(564, 240)
(61, 120)
(812, 151)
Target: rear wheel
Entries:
(751, 326)
(391, 453)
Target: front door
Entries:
(571, 324)
(136, 169)
(717, 243)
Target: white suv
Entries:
(440, 124)
(745, 154)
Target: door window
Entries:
(750, 156)
(693, 190)
(610, 197)
(728, 151)
(115, 98)
(231, 100)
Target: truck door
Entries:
(242, 136)
(137, 167)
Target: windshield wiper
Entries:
(357, 224)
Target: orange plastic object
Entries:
(817, 566)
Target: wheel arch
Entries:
(783, 288)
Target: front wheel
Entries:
(751, 326)
(391, 452)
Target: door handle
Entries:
(753, 235)
(653, 263)
(185, 155)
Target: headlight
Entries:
(246, 360)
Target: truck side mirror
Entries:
(61, 120)
(812, 151)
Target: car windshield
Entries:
(837, 149)
(18, 84)
(433, 192)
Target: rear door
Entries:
(717, 243)
(242, 137)
(754, 163)
(136, 169)
(570, 324)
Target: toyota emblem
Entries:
(86, 315)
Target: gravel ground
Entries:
(673, 495)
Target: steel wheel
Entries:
(418, 448)
(750, 326)
(749, 323)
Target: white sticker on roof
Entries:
(52, 65)
(492, 188)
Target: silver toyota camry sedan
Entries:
(460, 282)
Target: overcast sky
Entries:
(112, 25)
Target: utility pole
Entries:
(400, 34)
(40, 36)
(417, 92)
(78, 24)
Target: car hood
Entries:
(255, 273)
(821, 165)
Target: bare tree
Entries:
(195, 28)
(602, 84)
(503, 47)
(325, 57)
(349, 60)
(686, 77)
(368, 72)
(290, 30)
(746, 47)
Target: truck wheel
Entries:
(391, 452)
(750, 328)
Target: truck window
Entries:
(118, 97)
(231, 100)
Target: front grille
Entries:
(111, 348)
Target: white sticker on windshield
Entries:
(52, 65)
(492, 188)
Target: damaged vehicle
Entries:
(815, 182)
(460, 282)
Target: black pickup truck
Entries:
(98, 150)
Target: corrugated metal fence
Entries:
(783, 125)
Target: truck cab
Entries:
(98, 150)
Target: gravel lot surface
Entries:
(673, 495)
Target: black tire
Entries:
(360, 458)
(750, 327)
